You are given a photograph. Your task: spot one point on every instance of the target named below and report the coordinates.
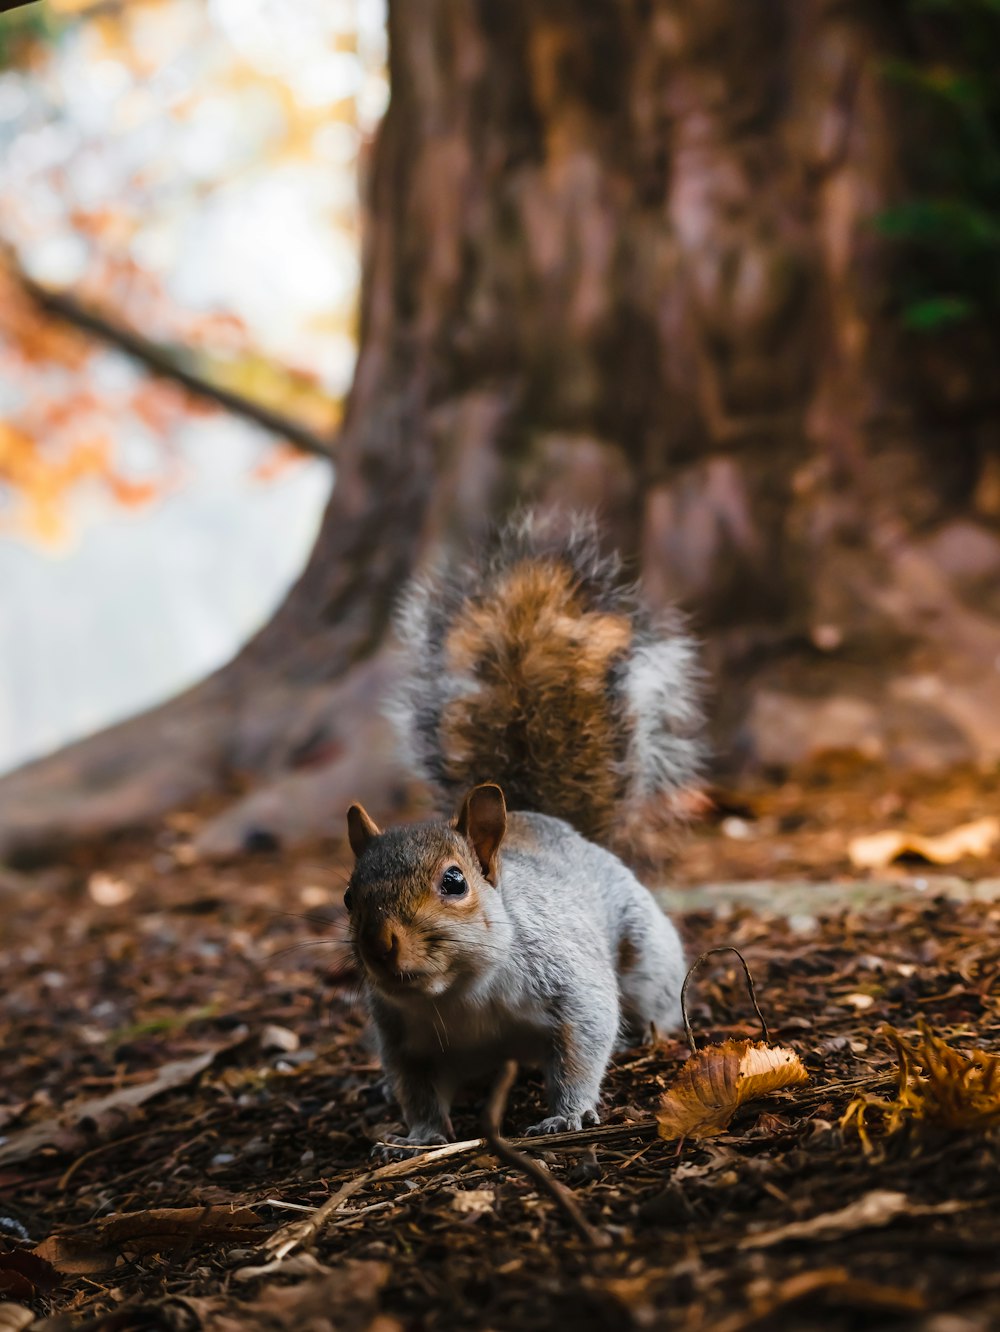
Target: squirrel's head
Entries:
(419, 897)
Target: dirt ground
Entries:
(184, 1073)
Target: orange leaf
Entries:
(937, 1084)
(715, 1082)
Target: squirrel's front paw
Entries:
(563, 1124)
(398, 1147)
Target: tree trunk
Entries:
(620, 256)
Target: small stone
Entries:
(827, 637)
(107, 890)
(738, 830)
(274, 1037)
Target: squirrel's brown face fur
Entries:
(415, 896)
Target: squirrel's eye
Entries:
(453, 882)
(347, 900)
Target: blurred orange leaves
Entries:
(52, 442)
(154, 144)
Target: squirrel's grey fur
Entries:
(554, 952)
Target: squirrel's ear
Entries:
(483, 821)
(361, 828)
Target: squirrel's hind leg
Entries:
(650, 975)
(578, 1059)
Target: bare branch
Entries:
(765, 1035)
(519, 1161)
(162, 363)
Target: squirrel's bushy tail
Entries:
(540, 670)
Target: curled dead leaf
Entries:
(876, 850)
(156, 1230)
(163, 1228)
(937, 1085)
(716, 1081)
(25, 1275)
(76, 1255)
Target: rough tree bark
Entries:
(619, 255)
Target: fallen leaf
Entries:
(299, 1264)
(344, 1300)
(716, 1081)
(157, 1230)
(872, 1210)
(473, 1202)
(830, 1286)
(24, 1275)
(76, 1255)
(83, 1122)
(937, 1085)
(876, 850)
(164, 1228)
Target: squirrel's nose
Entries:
(384, 944)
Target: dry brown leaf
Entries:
(25, 1275)
(937, 1085)
(346, 1299)
(163, 1228)
(473, 1202)
(871, 1210)
(74, 1255)
(876, 850)
(299, 1264)
(829, 1286)
(158, 1230)
(83, 1123)
(716, 1081)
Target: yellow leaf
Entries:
(937, 1085)
(715, 1082)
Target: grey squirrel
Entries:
(534, 680)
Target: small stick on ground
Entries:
(765, 1034)
(500, 1147)
(297, 1233)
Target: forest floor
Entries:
(185, 1076)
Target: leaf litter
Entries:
(101, 997)
(937, 1086)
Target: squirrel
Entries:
(542, 700)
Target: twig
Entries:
(499, 1145)
(162, 363)
(750, 989)
(297, 1233)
